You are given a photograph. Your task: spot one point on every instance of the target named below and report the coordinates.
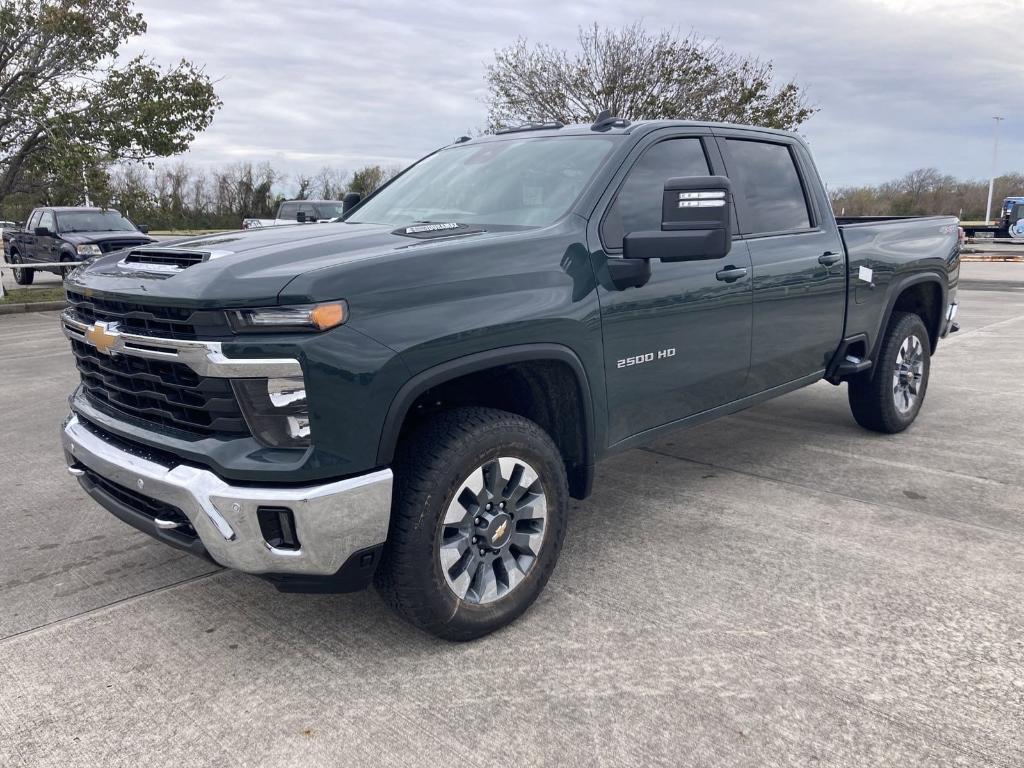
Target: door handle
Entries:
(731, 274)
(829, 259)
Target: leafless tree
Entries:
(922, 192)
(636, 74)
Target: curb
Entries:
(990, 257)
(38, 306)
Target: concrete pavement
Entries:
(775, 588)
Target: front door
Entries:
(680, 344)
(46, 246)
(28, 238)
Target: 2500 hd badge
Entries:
(649, 357)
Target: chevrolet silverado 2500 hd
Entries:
(411, 395)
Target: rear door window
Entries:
(767, 177)
(637, 206)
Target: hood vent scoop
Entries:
(164, 259)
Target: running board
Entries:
(845, 364)
(851, 366)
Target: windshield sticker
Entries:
(533, 195)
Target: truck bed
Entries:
(879, 251)
(852, 220)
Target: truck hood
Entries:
(249, 267)
(82, 238)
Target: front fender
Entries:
(453, 369)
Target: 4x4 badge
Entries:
(103, 336)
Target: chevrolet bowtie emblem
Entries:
(103, 336)
(499, 531)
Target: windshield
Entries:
(328, 210)
(518, 182)
(93, 221)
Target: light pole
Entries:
(992, 179)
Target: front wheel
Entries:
(21, 276)
(477, 522)
(889, 399)
(65, 271)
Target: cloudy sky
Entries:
(901, 84)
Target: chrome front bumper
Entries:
(333, 521)
(950, 324)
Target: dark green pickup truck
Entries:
(411, 395)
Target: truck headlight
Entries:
(317, 317)
(88, 250)
(275, 410)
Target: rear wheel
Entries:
(477, 522)
(21, 276)
(890, 397)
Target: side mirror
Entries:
(301, 217)
(42, 232)
(350, 201)
(143, 228)
(696, 222)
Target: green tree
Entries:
(923, 192)
(369, 178)
(638, 75)
(68, 102)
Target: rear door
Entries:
(799, 265)
(680, 344)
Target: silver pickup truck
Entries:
(298, 212)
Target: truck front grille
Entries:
(165, 322)
(109, 246)
(164, 393)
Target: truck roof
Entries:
(622, 128)
(71, 208)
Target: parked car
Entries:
(1009, 224)
(412, 395)
(299, 212)
(68, 235)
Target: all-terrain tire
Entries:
(65, 271)
(889, 397)
(22, 276)
(434, 463)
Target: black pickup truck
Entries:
(68, 234)
(411, 395)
